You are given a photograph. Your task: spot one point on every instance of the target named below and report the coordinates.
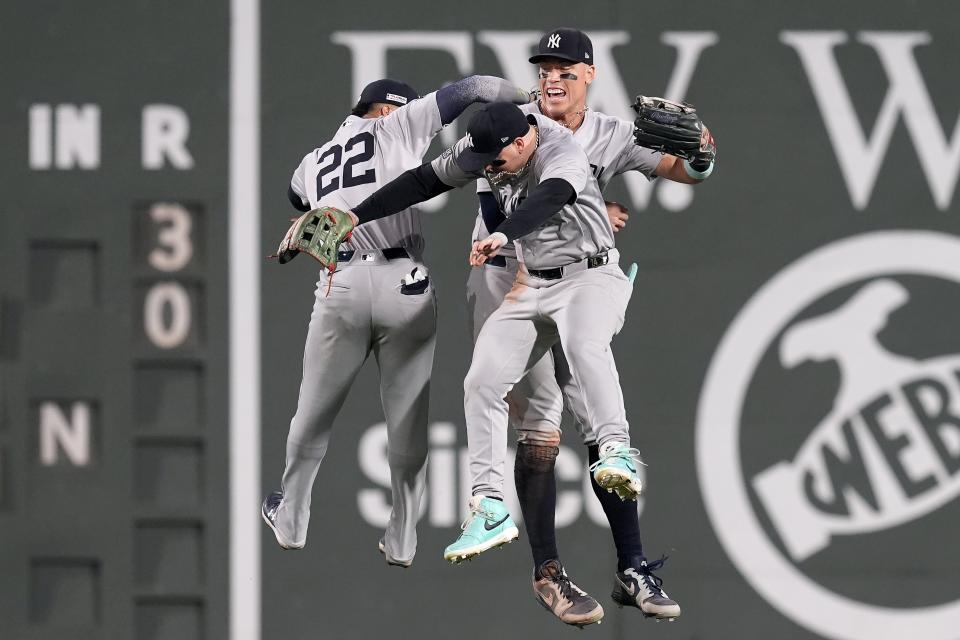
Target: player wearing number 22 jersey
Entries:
(379, 301)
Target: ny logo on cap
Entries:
(554, 41)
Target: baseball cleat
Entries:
(616, 470)
(488, 526)
(561, 597)
(639, 587)
(269, 512)
(391, 561)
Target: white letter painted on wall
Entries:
(58, 433)
(67, 137)
(859, 153)
(165, 129)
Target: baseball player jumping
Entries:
(565, 69)
(379, 301)
(541, 179)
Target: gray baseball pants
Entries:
(536, 403)
(580, 312)
(365, 312)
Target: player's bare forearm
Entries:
(671, 168)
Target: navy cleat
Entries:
(639, 587)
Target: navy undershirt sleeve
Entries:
(490, 211)
(409, 188)
(543, 202)
(296, 200)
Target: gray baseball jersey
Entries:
(578, 230)
(363, 308)
(536, 405)
(610, 148)
(544, 312)
(365, 154)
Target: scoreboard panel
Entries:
(113, 411)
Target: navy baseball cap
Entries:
(387, 91)
(572, 45)
(491, 128)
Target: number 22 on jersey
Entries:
(357, 150)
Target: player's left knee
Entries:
(546, 437)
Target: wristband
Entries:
(503, 238)
(698, 175)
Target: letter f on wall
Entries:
(860, 156)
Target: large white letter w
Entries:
(860, 157)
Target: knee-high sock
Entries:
(624, 521)
(537, 491)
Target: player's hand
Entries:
(486, 248)
(618, 215)
(353, 217)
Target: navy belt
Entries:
(497, 261)
(392, 253)
(557, 272)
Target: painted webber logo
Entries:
(828, 438)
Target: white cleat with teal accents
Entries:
(616, 470)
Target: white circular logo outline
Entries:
(727, 502)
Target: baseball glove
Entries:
(318, 233)
(674, 128)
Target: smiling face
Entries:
(563, 86)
